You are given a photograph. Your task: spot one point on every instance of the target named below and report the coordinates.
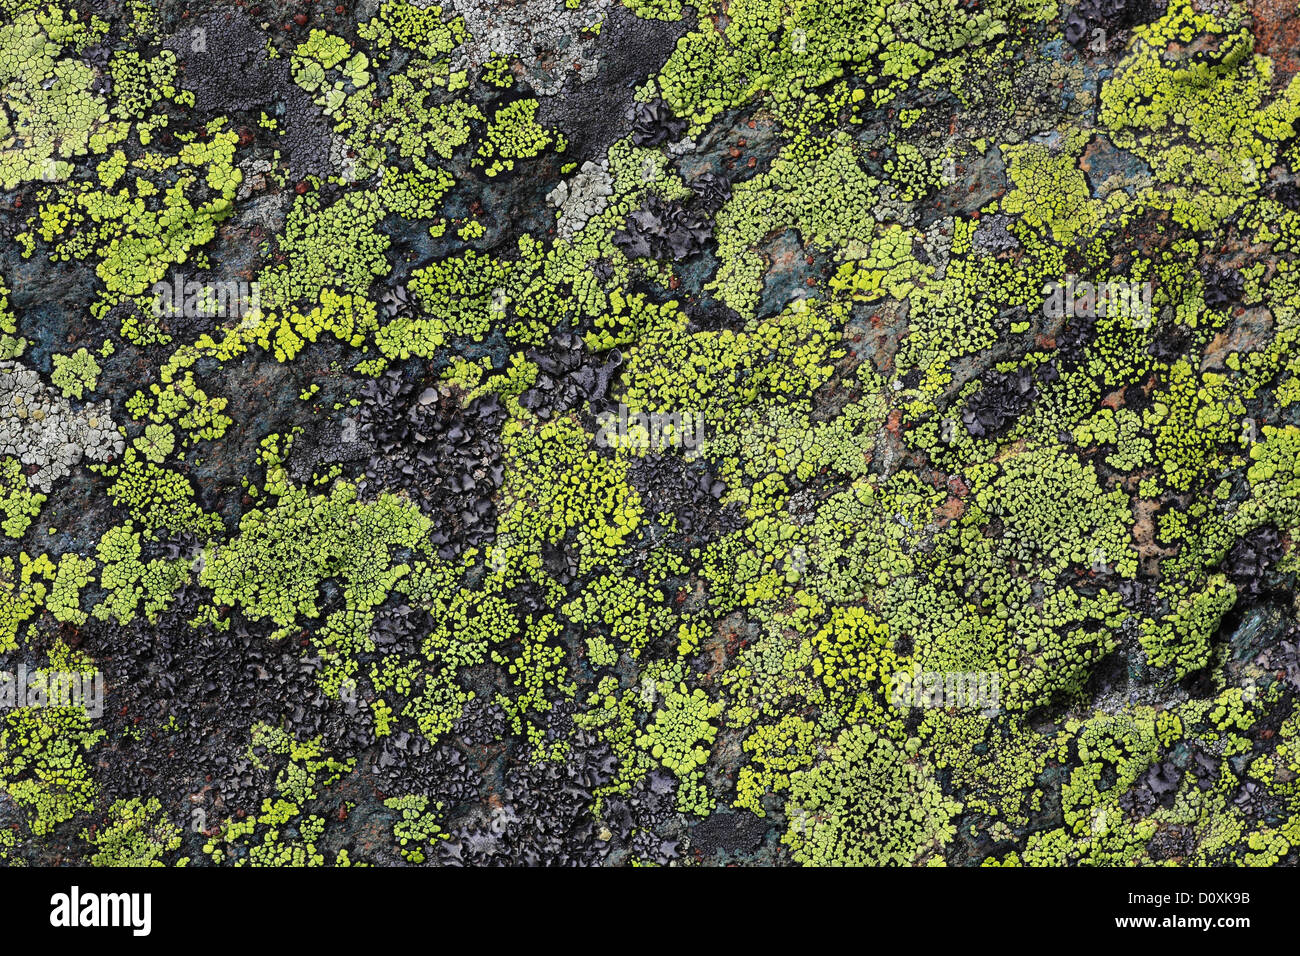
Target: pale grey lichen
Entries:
(581, 197)
(552, 41)
(41, 428)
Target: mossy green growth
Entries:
(635, 613)
(43, 763)
(418, 827)
(679, 738)
(514, 133)
(75, 374)
(157, 442)
(1053, 512)
(18, 503)
(127, 580)
(421, 28)
(141, 230)
(868, 804)
(161, 499)
(557, 483)
(136, 834)
(1193, 112)
(286, 548)
(50, 111)
(139, 83)
(335, 247)
(286, 831)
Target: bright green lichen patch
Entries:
(18, 503)
(136, 835)
(871, 430)
(75, 374)
(868, 805)
(50, 112)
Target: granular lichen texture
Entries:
(649, 432)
